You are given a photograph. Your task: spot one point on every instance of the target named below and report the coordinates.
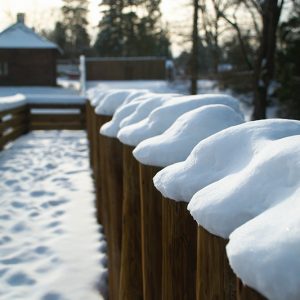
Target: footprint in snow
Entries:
(20, 278)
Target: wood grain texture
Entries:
(151, 233)
(13, 127)
(179, 247)
(215, 278)
(98, 141)
(246, 293)
(131, 286)
(111, 161)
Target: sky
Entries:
(42, 14)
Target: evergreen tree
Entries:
(131, 28)
(75, 24)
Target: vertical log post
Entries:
(215, 278)
(101, 198)
(151, 233)
(131, 284)
(89, 113)
(246, 293)
(111, 169)
(179, 247)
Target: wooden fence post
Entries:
(151, 233)
(215, 278)
(179, 247)
(131, 283)
(246, 293)
(111, 174)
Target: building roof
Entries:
(20, 36)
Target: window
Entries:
(3, 68)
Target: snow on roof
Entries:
(163, 117)
(20, 36)
(222, 154)
(270, 243)
(112, 100)
(176, 143)
(226, 204)
(10, 102)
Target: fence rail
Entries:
(44, 116)
(13, 123)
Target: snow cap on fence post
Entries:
(270, 244)
(176, 143)
(226, 204)
(112, 100)
(163, 117)
(127, 109)
(220, 155)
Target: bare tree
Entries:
(270, 11)
(194, 56)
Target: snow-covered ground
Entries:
(51, 247)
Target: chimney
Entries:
(21, 18)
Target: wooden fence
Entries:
(156, 254)
(13, 123)
(18, 121)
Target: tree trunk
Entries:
(265, 64)
(194, 57)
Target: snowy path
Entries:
(49, 238)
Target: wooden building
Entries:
(26, 58)
(125, 68)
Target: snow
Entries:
(176, 143)
(163, 117)
(50, 241)
(224, 205)
(10, 102)
(112, 127)
(36, 90)
(138, 108)
(145, 108)
(20, 36)
(112, 100)
(270, 244)
(222, 154)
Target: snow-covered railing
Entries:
(19, 114)
(14, 117)
(206, 206)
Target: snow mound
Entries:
(270, 244)
(136, 95)
(112, 127)
(224, 205)
(163, 117)
(220, 155)
(145, 108)
(10, 102)
(176, 143)
(111, 101)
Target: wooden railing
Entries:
(13, 123)
(18, 121)
(57, 116)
